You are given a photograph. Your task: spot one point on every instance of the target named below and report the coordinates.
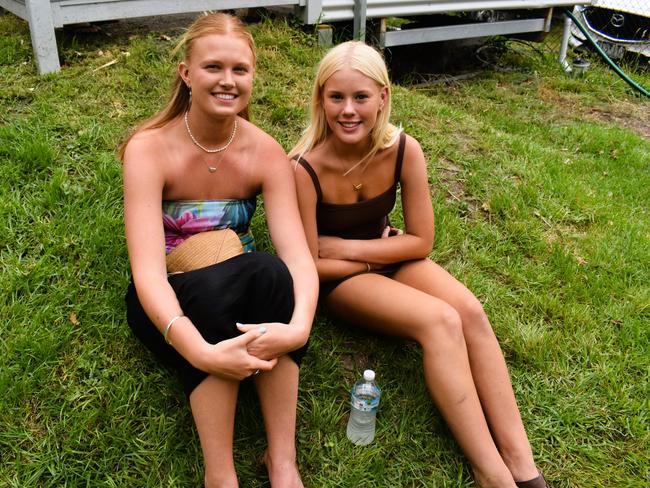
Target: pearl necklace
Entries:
(205, 149)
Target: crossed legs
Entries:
(463, 366)
(213, 405)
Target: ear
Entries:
(383, 97)
(184, 72)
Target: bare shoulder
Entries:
(318, 157)
(144, 146)
(413, 154)
(302, 173)
(263, 144)
(412, 146)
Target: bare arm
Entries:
(417, 240)
(328, 269)
(143, 189)
(288, 237)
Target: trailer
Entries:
(44, 16)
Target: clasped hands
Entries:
(256, 350)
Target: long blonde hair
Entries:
(180, 96)
(368, 61)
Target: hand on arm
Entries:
(332, 249)
(277, 339)
(328, 268)
(288, 236)
(231, 358)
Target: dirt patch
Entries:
(453, 183)
(628, 115)
(635, 117)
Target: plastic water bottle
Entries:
(364, 400)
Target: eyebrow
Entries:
(332, 91)
(216, 60)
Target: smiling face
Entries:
(351, 102)
(220, 74)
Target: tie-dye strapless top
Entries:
(184, 218)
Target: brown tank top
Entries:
(361, 220)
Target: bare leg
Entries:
(385, 305)
(488, 366)
(278, 393)
(213, 405)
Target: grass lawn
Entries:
(541, 187)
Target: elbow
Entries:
(428, 243)
(301, 338)
(424, 246)
(303, 341)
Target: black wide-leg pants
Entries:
(250, 288)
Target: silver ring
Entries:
(256, 372)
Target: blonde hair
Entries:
(180, 96)
(368, 61)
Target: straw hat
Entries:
(204, 249)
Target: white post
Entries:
(359, 30)
(565, 44)
(41, 28)
(312, 11)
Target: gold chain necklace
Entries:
(357, 186)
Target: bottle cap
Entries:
(369, 375)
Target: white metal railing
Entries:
(340, 10)
(46, 15)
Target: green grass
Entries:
(540, 185)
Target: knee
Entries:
(269, 270)
(444, 328)
(475, 321)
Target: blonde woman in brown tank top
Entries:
(348, 164)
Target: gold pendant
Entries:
(357, 187)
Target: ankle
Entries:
(501, 479)
(220, 481)
(283, 471)
(521, 464)
(279, 459)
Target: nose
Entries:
(348, 107)
(226, 81)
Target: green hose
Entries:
(603, 55)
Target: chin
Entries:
(226, 111)
(353, 138)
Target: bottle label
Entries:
(365, 397)
(364, 405)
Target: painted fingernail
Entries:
(239, 325)
(263, 329)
